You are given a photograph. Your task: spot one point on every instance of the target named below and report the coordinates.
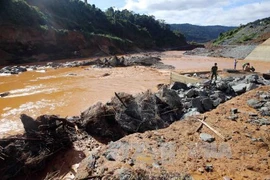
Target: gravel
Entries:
(229, 51)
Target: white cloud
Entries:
(203, 12)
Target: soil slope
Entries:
(178, 149)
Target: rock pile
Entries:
(114, 61)
(198, 98)
(126, 114)
(262, 105)
(28, 153)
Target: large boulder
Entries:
(252, 78)
(99, 120)
(126, 114)
(196, 103)
(114, 61)
(178, 86)
(207, 104)
(239, 88)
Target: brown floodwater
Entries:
(69, 91)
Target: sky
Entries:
(197, 12)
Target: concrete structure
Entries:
(261, 52)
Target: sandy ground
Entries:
(179, 150)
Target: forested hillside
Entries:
(34, 30)
(252, 33)
(200, 34)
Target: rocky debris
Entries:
(43, 138)
(198, 98)
(126, 114)
(114, 61)
(13, 69)
(179, 86)
(266, 76)
(262, 105)
(237, 52)
(4, 94)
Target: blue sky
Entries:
(199, 12)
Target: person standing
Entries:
(214, 70)
(235, 63)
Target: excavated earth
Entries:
(178, 151)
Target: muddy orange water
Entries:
(69, 91)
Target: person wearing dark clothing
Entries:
(214, 70)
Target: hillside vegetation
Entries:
(252, 33)
(51, 29)
(200, 34)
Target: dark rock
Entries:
(179, 85)
(239, 88)
(253, 115)
(114, 61)
(217, 102)
(29, 124)
(202, 93)
(4, 94)
(191, 93)
(99, 120)
(231, 70)
(187, 105)
(170, 97)
(126, 114)
(196, 103)
(234, 110)
(221, 85)
(208, 168)
(266, 76)
(105, 74)
(207, 104)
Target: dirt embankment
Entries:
(26, 44)
(179, 151)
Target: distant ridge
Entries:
(200, 34)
